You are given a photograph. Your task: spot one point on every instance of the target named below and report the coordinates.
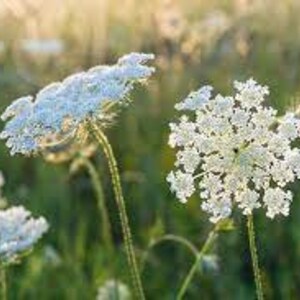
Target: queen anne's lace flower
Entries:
(59, 108)
(18, 232)
(235, 151)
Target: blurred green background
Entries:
(196, 43)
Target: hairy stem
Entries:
(207, 245)
(3, 284)
(102, 139)
(254, 257)
(96, 182)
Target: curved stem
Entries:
(254, 257)
(207, 245)
(137, 283)
(3, 284)
(178, 239)
(173, 238)
(106, 228)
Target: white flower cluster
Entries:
(18, 232)
(60, 107)
(235, 151)
(113, 290)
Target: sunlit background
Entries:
(196, 43)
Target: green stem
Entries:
(106, 228)
(173, 238)
(254, 257)
(102, 139)
(3, 284)
(207, 245)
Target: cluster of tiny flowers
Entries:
(18, 232)
(59, 108)
(113, 289)
(235, 151)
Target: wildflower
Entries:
(234, 151)
(113, 289)
(61, 108)
(18, 232)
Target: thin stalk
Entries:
(104, 143)
(96, 182)
(177, 239)
(173, 238)
(207, 245)
(3, 284)
(254, 257)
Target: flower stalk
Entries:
(96, 182)
(3, 283)
(254, 257)
(207, 245)
(104, 143)
(170, 238)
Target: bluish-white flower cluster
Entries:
(59, 108)
(235, 151)
(18, 232)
